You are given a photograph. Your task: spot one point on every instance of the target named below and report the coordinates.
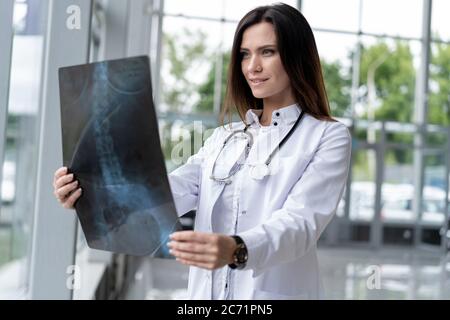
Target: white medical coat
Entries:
(282, 216)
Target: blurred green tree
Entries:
(439, 97)
(393, 74)
(185, 52)
(206, 89)
(338, 84)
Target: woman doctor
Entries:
(264, 188)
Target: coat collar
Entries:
(280, 117)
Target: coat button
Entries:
(275, 124)
(244, 212)
(277, 114)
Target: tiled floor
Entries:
(390, 273)
(347, 273)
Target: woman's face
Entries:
(262, 66)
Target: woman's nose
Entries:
(254, 65)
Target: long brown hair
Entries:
(299, 56)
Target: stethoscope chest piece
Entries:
(259, 171)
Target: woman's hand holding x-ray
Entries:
(66, 189)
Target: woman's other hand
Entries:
(204, 250)
(66, 190)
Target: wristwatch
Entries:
(240, 255)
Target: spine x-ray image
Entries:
(111, 144)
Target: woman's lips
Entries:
(257, 82)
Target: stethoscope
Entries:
(258, 171)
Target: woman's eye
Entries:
(244, 54)
(267, 52)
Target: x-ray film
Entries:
(111, 144)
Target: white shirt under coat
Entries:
(280, 218)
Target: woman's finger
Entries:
(188, 246)
(194, 236)
(63, 192)
(59, 173)
(70, 202)
(193, 257)
(63, 180)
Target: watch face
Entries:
(241, 255)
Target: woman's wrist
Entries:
(232, 246)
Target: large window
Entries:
(19, 163)
(371, 53)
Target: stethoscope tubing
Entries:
(248, 146)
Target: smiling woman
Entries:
(260, 212)
(274, 221)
